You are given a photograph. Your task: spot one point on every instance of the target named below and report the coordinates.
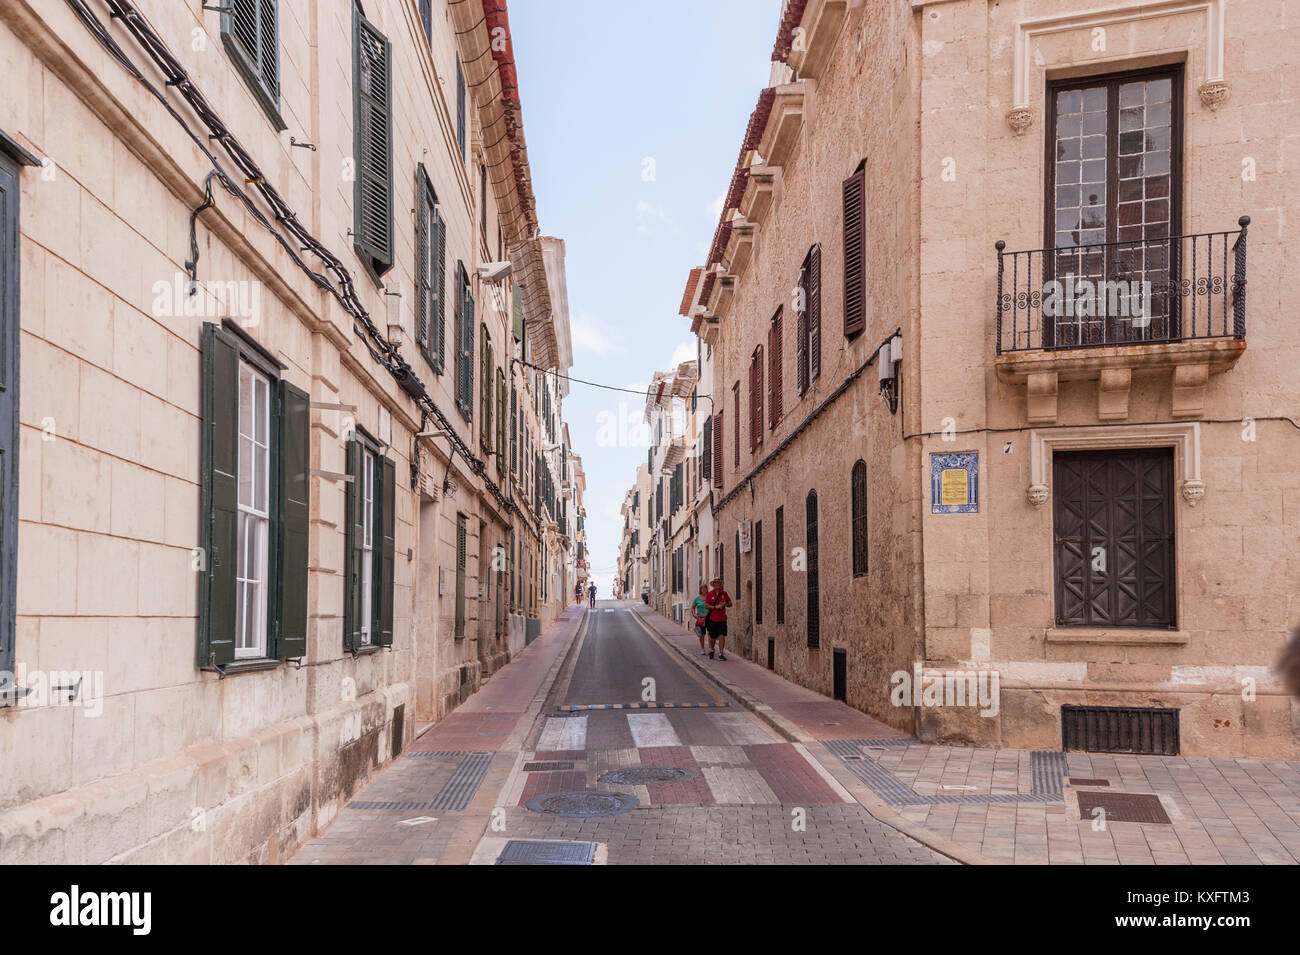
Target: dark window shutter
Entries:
(353, 541)
(460, 111)
(717, 449)
(501, 421)
(461, 546)
(372, 115)
(735, 410)
(814, 603)
(426, 19)
(388, 530)
(423, 271)
(295, 517)
(706, 459)
(780, 565)
(250, 31)
(855, 253)
(801, 333)
(438, 336)
(814, 312)
(485, 390)
(858, 495)
(738, 591)
(756, 400)
(758, 572)
(220, 496)
(517, 313)
(514, 429)
(775, 381)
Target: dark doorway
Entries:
(1114, 538)
(840, 669)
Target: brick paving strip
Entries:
(981, 806)
(452, 774)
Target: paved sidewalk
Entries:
(1001, 806)
(432, 804)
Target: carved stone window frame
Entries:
(1183, 437)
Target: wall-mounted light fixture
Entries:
(888, 359)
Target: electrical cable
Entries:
(342, 288)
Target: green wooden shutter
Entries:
(220, 496)
(501, 422)
(353, 541)
(423, 276)
(438, 337)
(517, 313)
(485, 389)
(388, 532)
(460, 576)
(373, 137)
(295, 508)
(468, 331)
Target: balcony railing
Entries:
(1137, 292)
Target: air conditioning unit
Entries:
(746, 536)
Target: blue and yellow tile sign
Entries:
(954, 483)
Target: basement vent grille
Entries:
(1120, 729)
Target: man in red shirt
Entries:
(717, 601)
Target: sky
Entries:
(634, 115)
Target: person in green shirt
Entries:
(701, 611)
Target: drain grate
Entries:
(551, 767)
(1075, 781)
(464, 782)
(536, 852)
(403, 805)
(434, 752)
(647, 775)
(1124, 807)
(582, 805)
(1047, 768)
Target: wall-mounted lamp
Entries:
(394, 311)
(887, 361)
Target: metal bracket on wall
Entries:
(332, 476)
(331, 406)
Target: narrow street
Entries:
(687, 776)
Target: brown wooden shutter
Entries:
(756, 440)
(801, 332)
(717, 448)
(735, 404)
(855, 253)
(814, 312)
(774, 373)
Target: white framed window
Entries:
(254, 452)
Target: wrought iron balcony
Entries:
(1137, 292)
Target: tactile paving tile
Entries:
(459, 790)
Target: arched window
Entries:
(858, 495)
(814, 610)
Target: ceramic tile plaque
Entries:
(954, 483)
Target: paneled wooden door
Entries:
(1114, 538)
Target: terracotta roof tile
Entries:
(791, 16)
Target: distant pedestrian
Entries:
(577, 593)
(717, 601)
(591, 594)
(645, 594)
(701, 608)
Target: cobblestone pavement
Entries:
(1023, 807)
(736, 790)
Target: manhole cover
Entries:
(647, 775)
(582, 804)
(1123, 807)
(533, 852)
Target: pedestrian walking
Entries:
(701, 608)
(645, 594)
(577, 593)
(717, 601)
(591, 593)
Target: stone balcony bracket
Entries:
(815, 38)
(785, 122)
(1189, 364)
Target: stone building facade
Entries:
(995, 412)
(279, 498)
